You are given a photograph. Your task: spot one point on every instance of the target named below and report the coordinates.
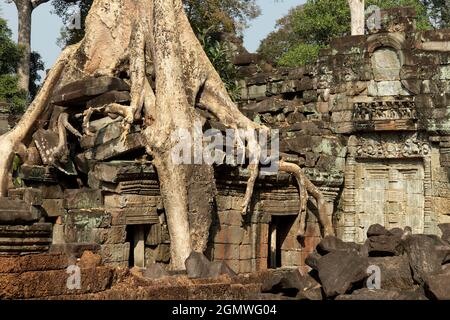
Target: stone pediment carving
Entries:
(384, 110)
(385, 115)
(403, 146)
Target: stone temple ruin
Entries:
(369, 124)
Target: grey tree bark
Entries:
(357, 16)
(24, 11)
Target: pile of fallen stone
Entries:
(390, 265)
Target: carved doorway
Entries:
(389, 192)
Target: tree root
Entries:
(307, 187)
(111, 110)
(10, 140)
(61, 152)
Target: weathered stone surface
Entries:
(155, 271)
(312, 259)
(163, 253)
(116, 147)
(43, 284)
(46, 142)
(423, 256)
(377, 230)
(338, 270)
(309, 289)
(16, 212)
(74, 250)
(112, 235)
(88, 218)
(124, 171)
(106, 134)
(79, 92)
(281, 281)
(445, 228)
(82, 199)
(366, 294)
(384, 245)
(197, 265)
(115, 252)
(218, 268)
(89, 260)
(54, 207)
(438, 285)
(331, 244)
(31, 196)
(25, 239)
(109, 97)
(290, 283)
(395, 272)
(246, 58)
(397, 232)
(33, 262)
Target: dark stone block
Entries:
(82, 199)
(197, 265)
(332, 244)
(366, 294)
(384, 245)
(312, 260)
(423, 257)
(438, 285)
(74, 250)
(395, 272)
(120, 97)
(445, 228)
(77, 93)
(16, 212)
(155, 271)
(339, 270)
(377, 230)
(218, 268)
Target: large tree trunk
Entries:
(156, 39)
(24, 10)
(357, 16)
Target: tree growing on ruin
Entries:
(170, 77)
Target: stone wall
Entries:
(387, 92)
(369, 125)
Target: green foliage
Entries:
(221, 15)
(318, 21)
(10, 55)
(219, 53)
(300, 55)
(438, 12)
(10, 93)
(17, 162)
(215, 15)
(321, 20)
(282, 39)
(65, 10)
(423, 19)
(36, 65)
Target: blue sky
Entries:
(46, 26)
